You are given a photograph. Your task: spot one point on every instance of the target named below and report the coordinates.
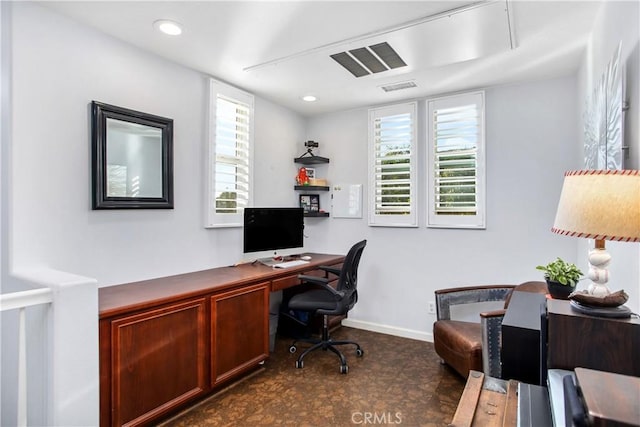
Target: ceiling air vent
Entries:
(363, 61)
(399, 86)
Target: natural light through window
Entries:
(456, 161)
(230, 151)
(392, 166)
(232, 156)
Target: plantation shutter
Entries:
(392, 166)
(456, 161)
(230, 155)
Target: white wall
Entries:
(617, 21)
(531, 140)
(59, 67)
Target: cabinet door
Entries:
(158, 361)
(239, 331)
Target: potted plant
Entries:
(562, 277)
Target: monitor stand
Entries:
(271, 261)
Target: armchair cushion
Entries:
(459, 344)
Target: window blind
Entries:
(456, 161)
(392, 165)
(232, 155)
(229, 155)
(455, 165)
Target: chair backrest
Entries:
(348, 280)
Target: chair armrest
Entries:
(491, 324)
(332, 270)
(313, 279)
(445, 298)
(323, 283)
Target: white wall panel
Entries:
(617, 21)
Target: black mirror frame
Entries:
(99, 114)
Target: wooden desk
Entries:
(168, 341)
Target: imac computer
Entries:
(272, 233)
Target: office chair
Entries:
(324, 300)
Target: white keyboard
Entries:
(289, 264)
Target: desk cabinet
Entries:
(239, 331)
(166, 342)
(164, 350)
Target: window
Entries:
(456, 161)
(229, 181)
(392, 166)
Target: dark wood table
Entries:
(610, 399)
(580, 340)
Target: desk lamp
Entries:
(601, 205)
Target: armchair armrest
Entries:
(491, 324)
(445, 298)
(492, 314)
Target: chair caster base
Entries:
(344, 369)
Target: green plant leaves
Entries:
(562, 272)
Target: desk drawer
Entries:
(284, 282)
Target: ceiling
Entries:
(280, 50)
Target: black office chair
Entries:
(327, 301)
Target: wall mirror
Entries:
(132, 159)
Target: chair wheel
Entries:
(344, 369)
(299, 364)
(359, 352)
(292, 349)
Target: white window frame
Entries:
(434, 219)
(214, 219)
(410, 219)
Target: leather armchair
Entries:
(465, 345)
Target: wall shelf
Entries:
(311, 188)
(311, 160)
(316, 214)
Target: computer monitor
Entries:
(271, 233)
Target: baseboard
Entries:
(389, 330)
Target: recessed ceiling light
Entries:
(171, 28)
(309, 98)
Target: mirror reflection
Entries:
(134, 160)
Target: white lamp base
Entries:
(599, 260)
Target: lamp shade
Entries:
(600, 204)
